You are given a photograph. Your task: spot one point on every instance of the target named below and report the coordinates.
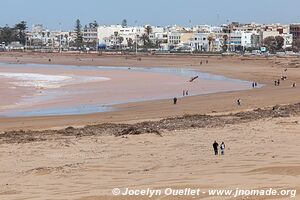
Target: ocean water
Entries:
(52, 83)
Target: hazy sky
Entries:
(155, 12)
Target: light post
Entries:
(59, 37)
(136, 38)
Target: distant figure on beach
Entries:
(239, 102)
(275, 83)
(283, 78)
(294, 85)
(222, 147)
(253, 85)
(215, 146)
(285, 70)
(175, 100)
(187, 93)
(278, 82)
(183, 93)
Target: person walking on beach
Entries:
(294, 85)
(175, 100)
(253, 85)
(239, 102)
(215, 146)
(222, 147)
(187, 93)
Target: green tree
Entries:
(21, 32)
(271, 44)
(210, 40)
(296, 45)
(7, 35)
(225, 40)
(129, 42)
(145, 39)
(279, 42)
(148, 30)
(93, 24)
(79, 37)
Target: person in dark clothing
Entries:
(253, 85)
(215, 146)
(239, 102)
(175, 100)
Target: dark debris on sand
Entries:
(153, 127)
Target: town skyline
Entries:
(162, 13)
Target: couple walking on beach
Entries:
(216, 148)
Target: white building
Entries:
(200, 42)
(118, 35)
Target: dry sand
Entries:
(261, 152)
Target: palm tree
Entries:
(210, 39)
(148, 30)
(66, 37)
(120, 41)
(145, 39)
(225, 39)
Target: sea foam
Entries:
(47, 81)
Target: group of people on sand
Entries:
(202, 62)
(283, 78)
(216, 148)
(254, 84)
(185, 93)
(277, 82)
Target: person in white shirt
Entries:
(222, 147)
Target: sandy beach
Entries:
(83, 157)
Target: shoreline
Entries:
(120, 88)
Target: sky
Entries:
(62, 14)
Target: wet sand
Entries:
(260, 70)
(59, 89)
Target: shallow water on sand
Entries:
(71, 90)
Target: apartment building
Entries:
(295, 31)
